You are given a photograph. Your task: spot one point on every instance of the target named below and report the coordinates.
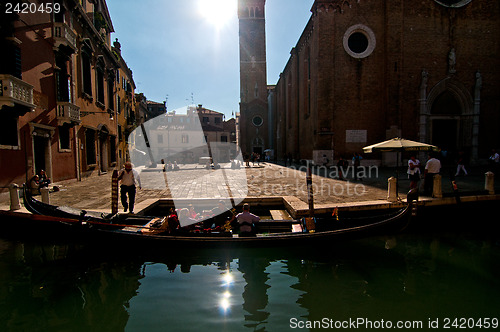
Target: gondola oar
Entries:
(309, 221)
(153, 163)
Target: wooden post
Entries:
(310, 194)
(114, 192)
(310, 224)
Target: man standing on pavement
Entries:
(128, 178)
(432, 168)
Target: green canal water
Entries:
(418, 280)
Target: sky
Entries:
(187, 51)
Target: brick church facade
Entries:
(366, 71)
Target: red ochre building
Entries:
(66, 93)
(366, 71)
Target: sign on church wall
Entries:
(355, 136)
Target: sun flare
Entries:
(217, 12)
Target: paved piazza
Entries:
(193, 181)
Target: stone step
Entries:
(280, 215)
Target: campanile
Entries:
(253, 122)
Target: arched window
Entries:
(258, 12)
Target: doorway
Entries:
(445, 136)
(103, 149)
(40, 152)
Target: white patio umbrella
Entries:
(399, 145)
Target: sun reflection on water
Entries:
(227, 279)
(224, 301)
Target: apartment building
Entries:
(62, 92)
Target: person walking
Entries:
(342, 165)
(494, 161)
(128, 178)
(461, 163)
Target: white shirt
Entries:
(129, 178)
(495, 157)
(416, 169)
(433, 166)
(244, 219)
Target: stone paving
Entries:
(266, 179)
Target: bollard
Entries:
(45, 195)
(437, 190)
(14, 197)
(392, 194)
(489, 182)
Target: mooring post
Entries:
(392, 193)
(114, 192)
(489, 182)
(437, 189)
(45, 195)
(14, 197)
(310, 223)
(310, 194)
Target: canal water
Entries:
(417, 280)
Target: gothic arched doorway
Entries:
(445, 122)
(447, 115)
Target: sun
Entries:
(217, 12)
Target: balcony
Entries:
(67, 113)
(63, 35)
(14, 91)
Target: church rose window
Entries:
(257, 121)
(359, 41)
(453, 3)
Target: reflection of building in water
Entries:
(185, 138)
(364, 283)
(255, 293)
(45, 288)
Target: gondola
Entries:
(96, 218)
(48, 220)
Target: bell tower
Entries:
(253, 122)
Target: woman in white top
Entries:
(413, 171)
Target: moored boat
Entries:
(128, 230)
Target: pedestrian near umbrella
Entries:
(399, 145)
